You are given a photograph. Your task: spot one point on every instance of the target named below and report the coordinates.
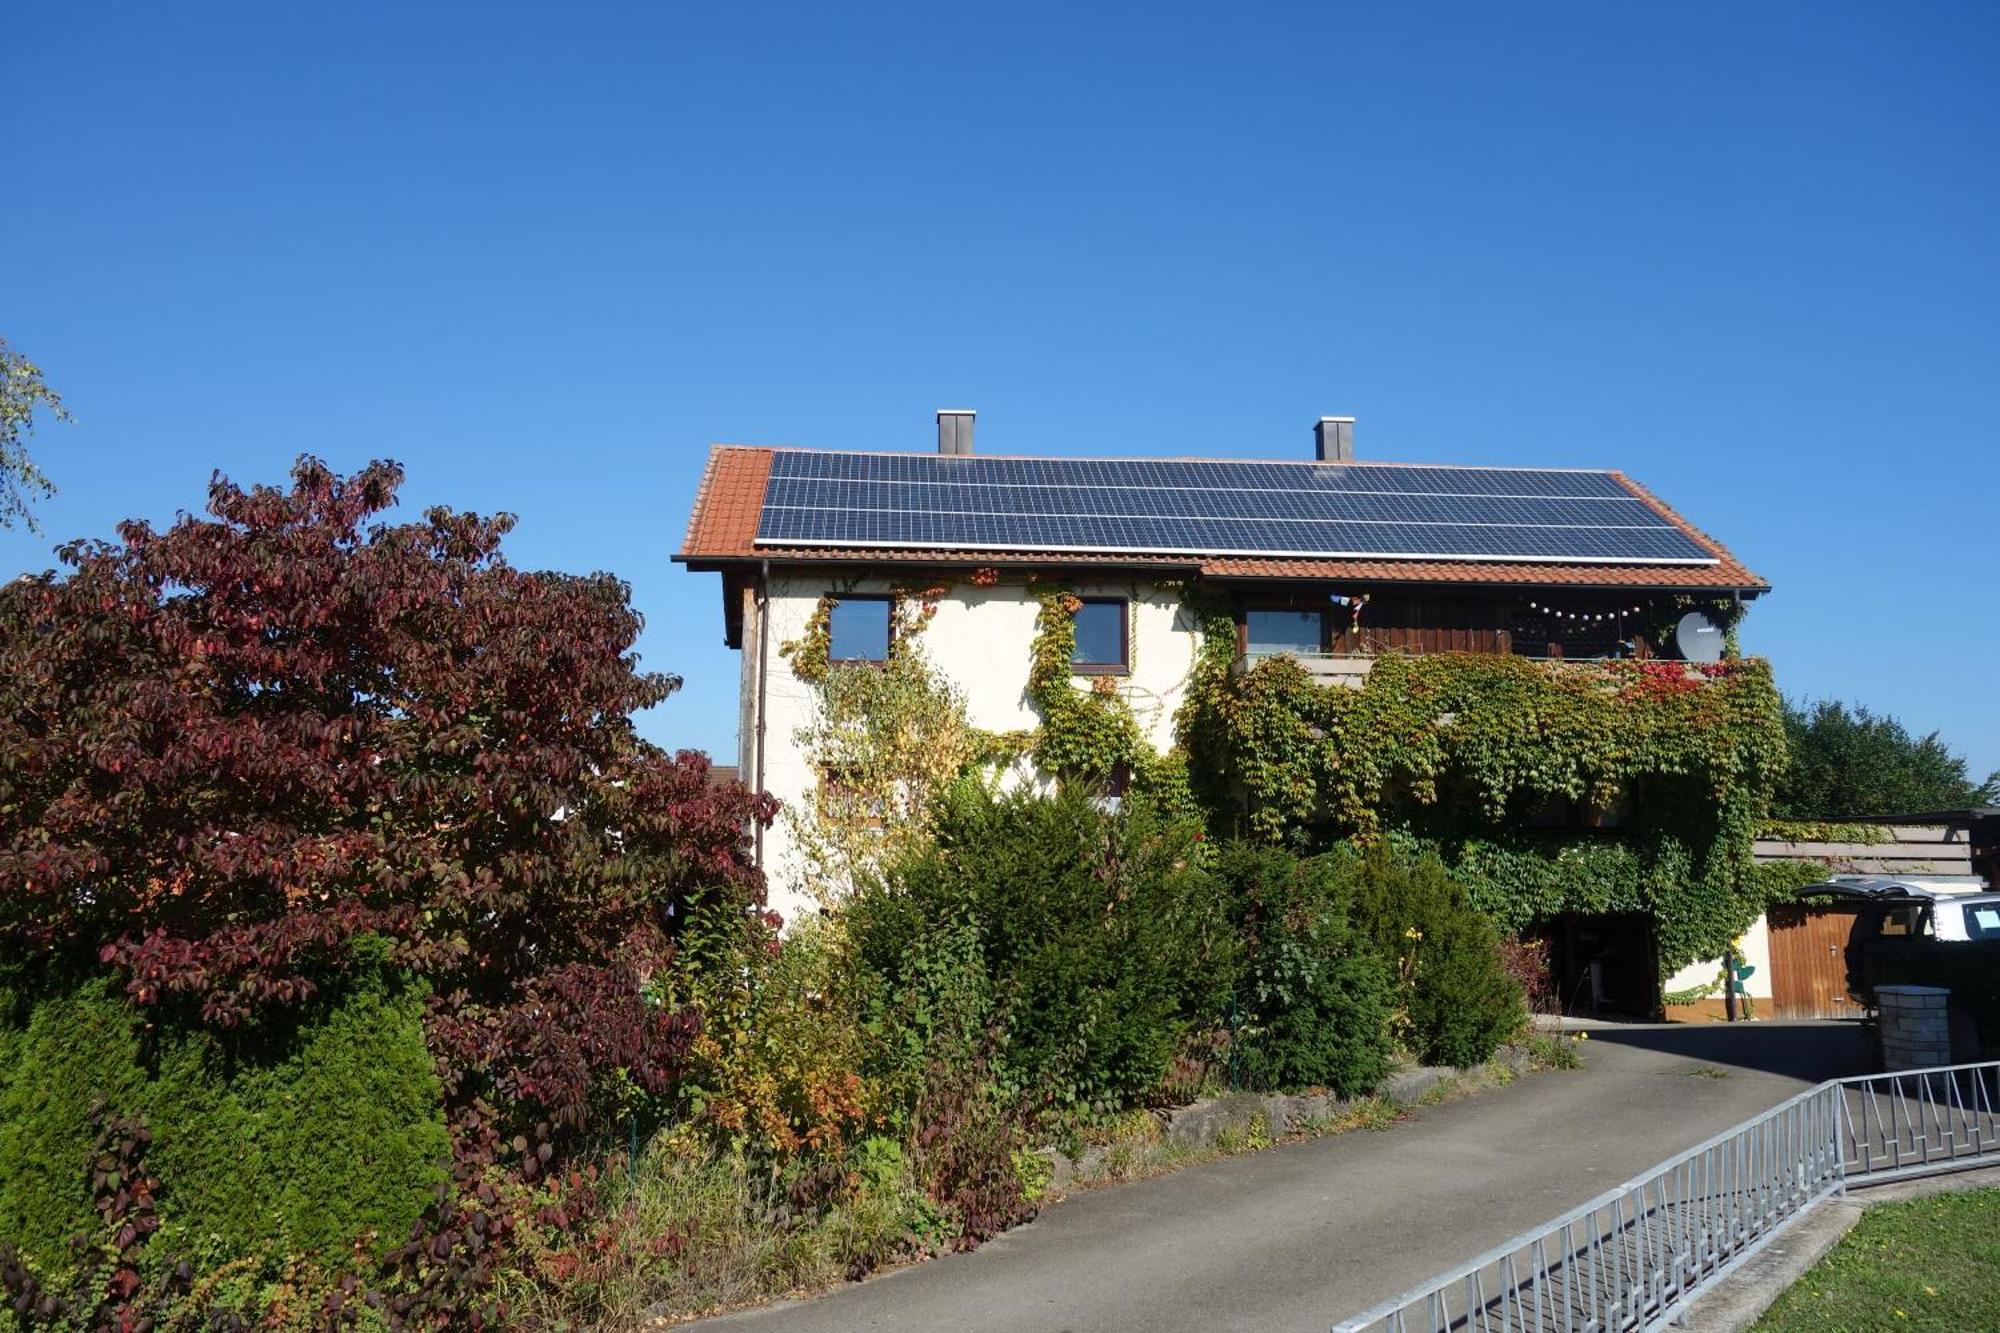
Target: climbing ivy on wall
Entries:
(808, 653)
(885, 741)
(1455, 752)
(1460, 751)
(1084, 733)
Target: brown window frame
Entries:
(1123, 666)
(888, 636)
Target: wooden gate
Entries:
(1809, 962)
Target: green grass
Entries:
(1930, 1263)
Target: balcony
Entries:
(1351, 669)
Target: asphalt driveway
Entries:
(1298, 1237)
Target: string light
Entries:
(1555, 614)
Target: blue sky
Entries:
(544, 255)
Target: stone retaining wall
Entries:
(1243, 1115)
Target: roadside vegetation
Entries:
(360, 967)
(1925, 1263)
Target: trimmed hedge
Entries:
(58, 1057)
(273, 1143)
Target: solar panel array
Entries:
(1197, 507)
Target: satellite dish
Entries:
(1698, 637)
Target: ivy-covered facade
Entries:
(1534, 721)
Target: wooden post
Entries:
(1729, 985)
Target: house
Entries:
(1326, 560)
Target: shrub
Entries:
(263, 1145)
(236, 750)
(1312, 999)
(1527, 962)
(232, 748)
(774, 1072)
(66, 1053)
(1093, 934)
(302, 1140)
(1458, 1001)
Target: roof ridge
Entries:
(1158, 458)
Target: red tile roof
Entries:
(728, 505)
(723, 530)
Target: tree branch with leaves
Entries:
(23, 393)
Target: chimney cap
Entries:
(958, 412)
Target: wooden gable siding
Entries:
(1934, 849)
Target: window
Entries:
(1283, 632)
(1100, 635)
(857, 630)
(1902, 921)
(1982, 922)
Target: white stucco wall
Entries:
(980, 641)
(1756, 952)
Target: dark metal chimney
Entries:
(1333, 440)
(955, 430)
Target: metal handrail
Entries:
(1634, 1256)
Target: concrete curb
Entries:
(1741, 1299)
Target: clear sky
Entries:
(544, 255)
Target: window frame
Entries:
(1123, 666)
(1280, 608)
(888, 628)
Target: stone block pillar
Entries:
(1916, 1026)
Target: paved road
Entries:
(1300, 1236)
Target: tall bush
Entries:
(1096, 937)
(1458, 1001)
(66, 1053)
(1312, 998)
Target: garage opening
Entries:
(1603, 964)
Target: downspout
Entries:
(763, 668)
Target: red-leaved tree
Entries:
(230, 748)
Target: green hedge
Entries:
(58, 1057)
(1459, 1002)
(1969, 969)
(266, 1144)
(1313, 1000)
(1088, 951)
(1093, 938)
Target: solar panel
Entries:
(1212, 508)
